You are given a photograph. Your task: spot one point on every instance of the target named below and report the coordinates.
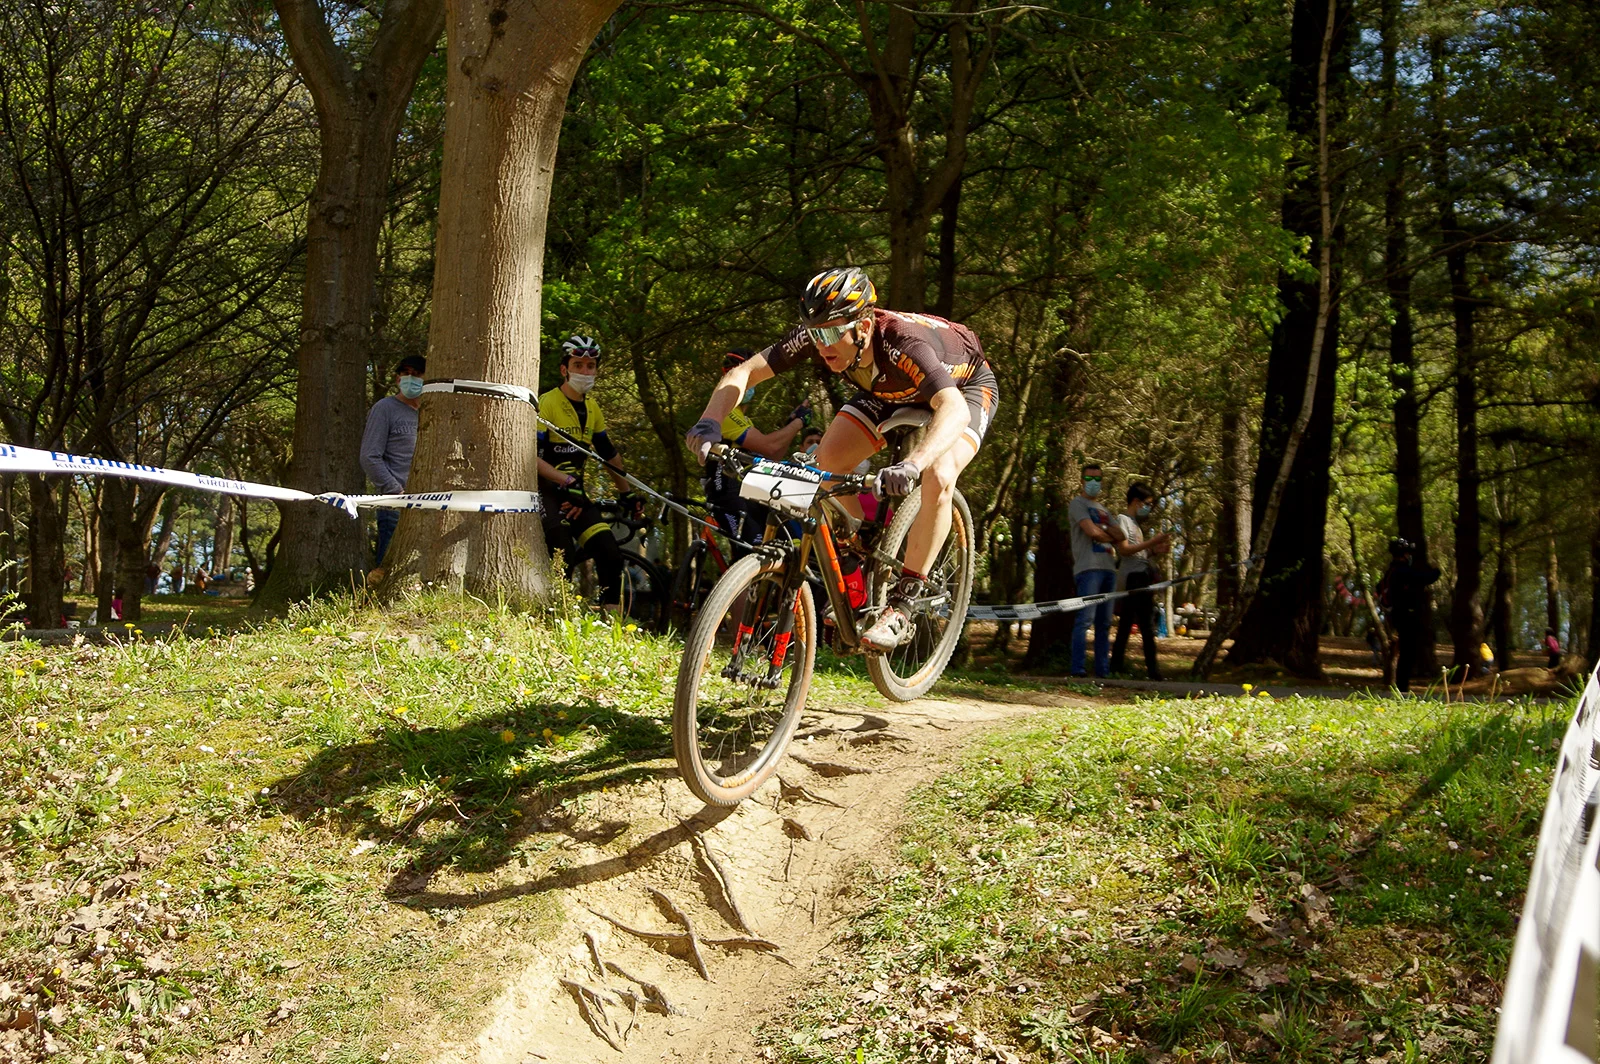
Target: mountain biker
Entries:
(896, 360)
(745, 519)
(572, 522)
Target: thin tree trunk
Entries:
(510, 69)
(1230, 544)
(1552, 587)
(1050, 639)
(1466, 614)
(1410, 518)
(1285, 620)
(359, 113)
(949, 215)
(47, 534)
(222, 545)
(1501, 605)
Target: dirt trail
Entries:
(789, 855)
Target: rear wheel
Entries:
(907, 671)
(695, 579)
(644, 592)
(746, 670)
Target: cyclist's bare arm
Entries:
(949, 422)
(615, 470)
(730, 389)
(551, 473)
(772, 444)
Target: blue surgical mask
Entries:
(1144, 511)
(1091, 488)
(749, 394)
(410, 387)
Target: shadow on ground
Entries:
(469, 796)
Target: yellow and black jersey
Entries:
(735, 426)
(583, 422)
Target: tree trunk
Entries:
(115, 501)
(1466, 614)
(1552, 588)
(1283, 619)
(1502, 594)
(1591, 648)
(47, 535)
(510, 69)
(1233, 543)
(913, 196)
(1050, 640)
(222, 545)
(359, 113)
(133, 540)
(1410, 518)
(949, 213)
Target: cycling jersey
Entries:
(735, 426)
(914, 356)
(583, 422)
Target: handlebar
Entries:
(743, 461)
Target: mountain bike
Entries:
(749, 656)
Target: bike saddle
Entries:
(906, 418)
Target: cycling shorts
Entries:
(981, 391)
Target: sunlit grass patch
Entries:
(227, 840)
(1211, 879)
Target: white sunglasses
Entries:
(826, 335)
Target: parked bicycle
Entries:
(749, 657)
(645, 594)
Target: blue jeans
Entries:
(1094, 582)
(387, 520)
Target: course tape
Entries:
(15, 459)
(1032, 611)
(1548, 1012)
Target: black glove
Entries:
(898, 479)
(572, 493)
(801, 413)
(706, 431)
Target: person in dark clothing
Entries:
(1552, 647)
(1137, 571)
(1402, 592)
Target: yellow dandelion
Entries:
(308, 631)
(583, 677)
(561, 714)
(508, 736)
(630, 628)
(548, 733)
(1248, 687)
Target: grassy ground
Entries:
(213, 841)
(1220, 879)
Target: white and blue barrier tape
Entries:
(15, 459)
(1548, 1014)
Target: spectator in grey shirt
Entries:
(387, 446)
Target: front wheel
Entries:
(746, 670)
(907, 671)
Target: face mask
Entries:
(581, 382)
(1091, 488)
(410, 387)
(1144, 511)
(813, 448)
(749, 394)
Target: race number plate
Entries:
(788, 488)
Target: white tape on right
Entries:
(1548, 1013)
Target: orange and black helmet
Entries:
(845, 293)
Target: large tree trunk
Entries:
(1591, 646)
(1501, 604)
(1410, 519)
(359, 113)
(510, 71)
(1283, 620)
(47, 536)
